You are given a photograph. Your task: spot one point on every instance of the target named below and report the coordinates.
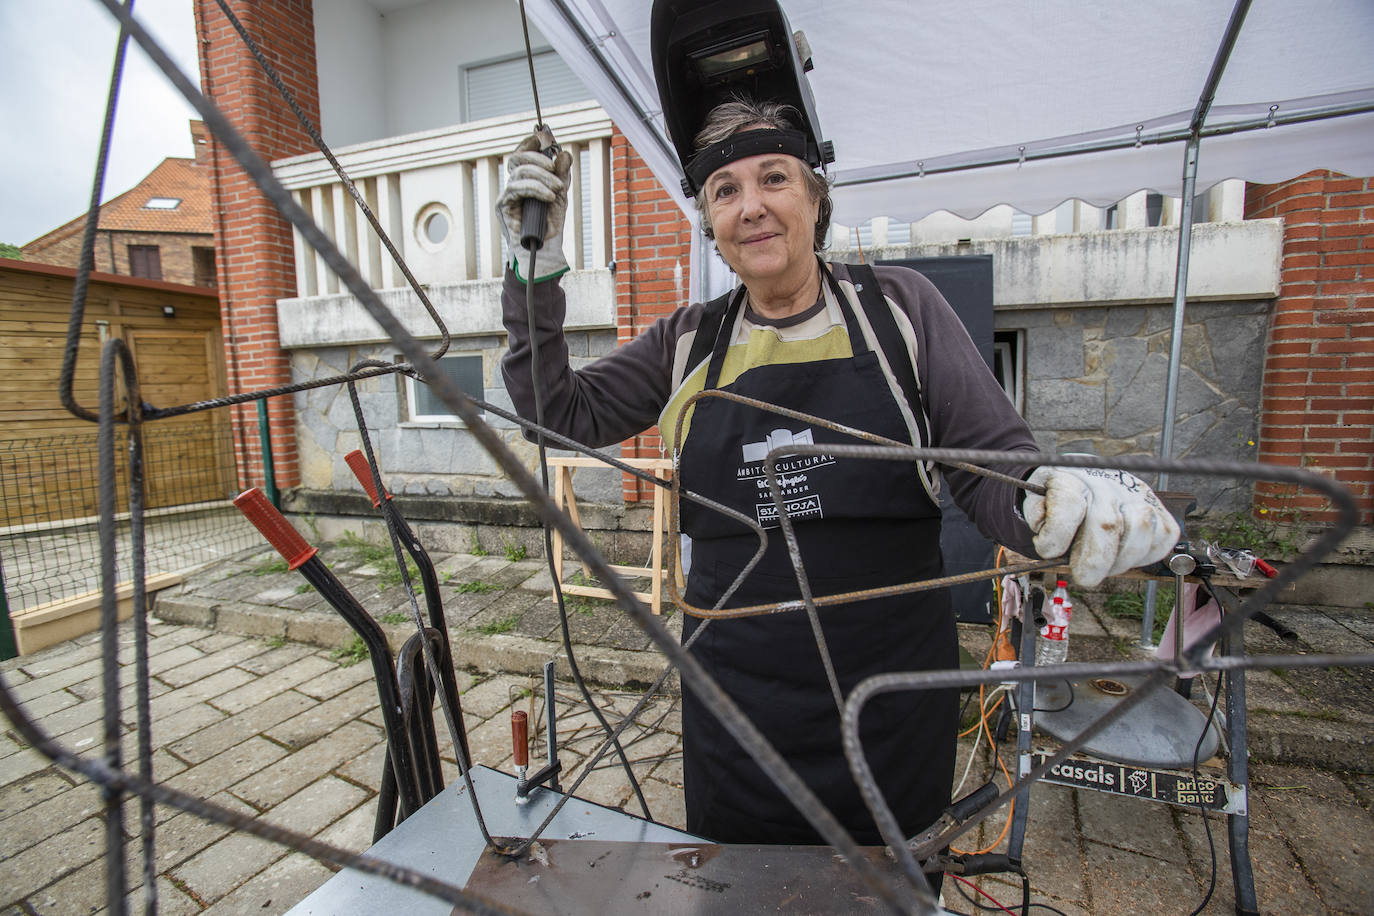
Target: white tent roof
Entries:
(945, 88)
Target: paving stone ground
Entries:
(291, 732)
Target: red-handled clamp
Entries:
(363, 471)
(256, 507)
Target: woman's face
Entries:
(763, 216)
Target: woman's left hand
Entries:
(1106, 521)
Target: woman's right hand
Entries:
(533, 175)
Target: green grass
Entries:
(268, 567)
(504, 625)
(583, 605)
(394, 617)
(350, 654)
(382, 557)
(475, 546)
(476, 587)
(514, 552)
(303, 588)
(276, 642)
(1131, 606)
(1268, 535)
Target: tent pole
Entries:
(1185, 240)
(1166, 437)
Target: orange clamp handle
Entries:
(255, 506)
(363, 471)
(520, 733)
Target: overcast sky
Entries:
(56, 57)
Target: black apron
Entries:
(860, 524)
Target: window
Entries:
(424, 406)
(1007, 349)
(203, 266)
(503, 87)
(162, 203)
(145, 261)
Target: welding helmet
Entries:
(704, 52)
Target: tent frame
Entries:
(1191, 137)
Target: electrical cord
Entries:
(961, 881)
(1072, 694)
(548, 545)
(1202, 809)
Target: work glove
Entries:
(532, 174)
(1106, 521)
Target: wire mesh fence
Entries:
(49, 508)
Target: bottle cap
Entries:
(1061, 584)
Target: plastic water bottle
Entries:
(1053, 645)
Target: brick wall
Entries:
(253, 243)
(174, 251)
(652, 252)
(1317, 409)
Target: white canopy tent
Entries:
(963, 106)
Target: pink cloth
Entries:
(1196, 621)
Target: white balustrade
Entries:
(434, 192)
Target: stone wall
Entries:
(437, 459)
(1095, 379)
(1094, 313)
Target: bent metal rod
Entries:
(720, 704)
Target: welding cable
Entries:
(1197, 776)
(1011, 809)
(86, 264)
(536, 212)
(452, 718)
(972, 755)
(548, 534)
(114, 352)
(1073, 694)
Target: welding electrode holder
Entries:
(534, 214)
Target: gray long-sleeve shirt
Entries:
(629, 389)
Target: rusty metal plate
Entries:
(600, 878)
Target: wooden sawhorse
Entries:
(562, 468)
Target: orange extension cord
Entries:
(996, 649)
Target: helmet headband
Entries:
(743, 145)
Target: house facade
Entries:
(159, 229)
(421, 100)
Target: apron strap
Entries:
(712, 319)
(890, 341)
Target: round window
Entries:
(436, 228)
(432, 226)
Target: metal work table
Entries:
(442, 840)
(591, 860)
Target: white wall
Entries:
(388, 67)
(348, 43)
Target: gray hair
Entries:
(741, 113)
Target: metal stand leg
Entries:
(1237, 770)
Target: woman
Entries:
(798, 334)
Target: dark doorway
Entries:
(966, 283)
